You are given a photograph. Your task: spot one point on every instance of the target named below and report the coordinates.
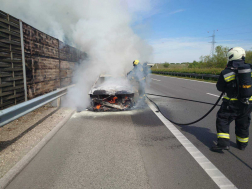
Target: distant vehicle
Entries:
(150, 65)
(111, 93)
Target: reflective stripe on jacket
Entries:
(229, 76)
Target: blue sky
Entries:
(179, 30)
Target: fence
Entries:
(47, 63)
(11, 69)
(201, 76)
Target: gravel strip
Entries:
(20, 136)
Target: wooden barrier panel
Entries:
(66, 72)
(37, 43)
(47, 59)
(65, 82)
(68, 53)
(65, 65)
(37, 89)
(11, 70)
(42, 61)
(49, 62)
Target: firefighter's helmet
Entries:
(236, 53)
(135, 62)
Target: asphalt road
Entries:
(135, 149)
(236, 165)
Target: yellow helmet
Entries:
(135, 62)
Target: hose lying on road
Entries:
(181, 99)
(188, 100)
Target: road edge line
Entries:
(19, 166)
(213, 172)
(185, 79)
(213, 95)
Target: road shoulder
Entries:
(20, 137)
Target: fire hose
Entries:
(184, 124)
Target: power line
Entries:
(213, 42)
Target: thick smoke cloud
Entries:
(100, 28)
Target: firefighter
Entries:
(145, 69)
(137, 75)
(235, 81)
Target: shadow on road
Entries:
(208, 138)
(5, 144)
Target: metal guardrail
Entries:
(14, 112)
(202, 76)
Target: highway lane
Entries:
(135, 149)
(113, 150)
(235, 164)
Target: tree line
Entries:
(219, 59)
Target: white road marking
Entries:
(188, 79)
(155, 79)
(215, 174)
(213, 95)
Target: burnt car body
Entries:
(111, 93)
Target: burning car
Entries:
(111, 93)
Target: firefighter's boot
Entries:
(218, 148)
(241, 146)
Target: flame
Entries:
(113, 101)
(98, 106)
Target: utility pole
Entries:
(213, 42)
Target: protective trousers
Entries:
(141, 90)
(229, 111)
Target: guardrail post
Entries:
(23, 57)
(56, 102)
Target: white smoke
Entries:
(102, 29)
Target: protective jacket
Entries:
(227, 81)
(137, 73)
